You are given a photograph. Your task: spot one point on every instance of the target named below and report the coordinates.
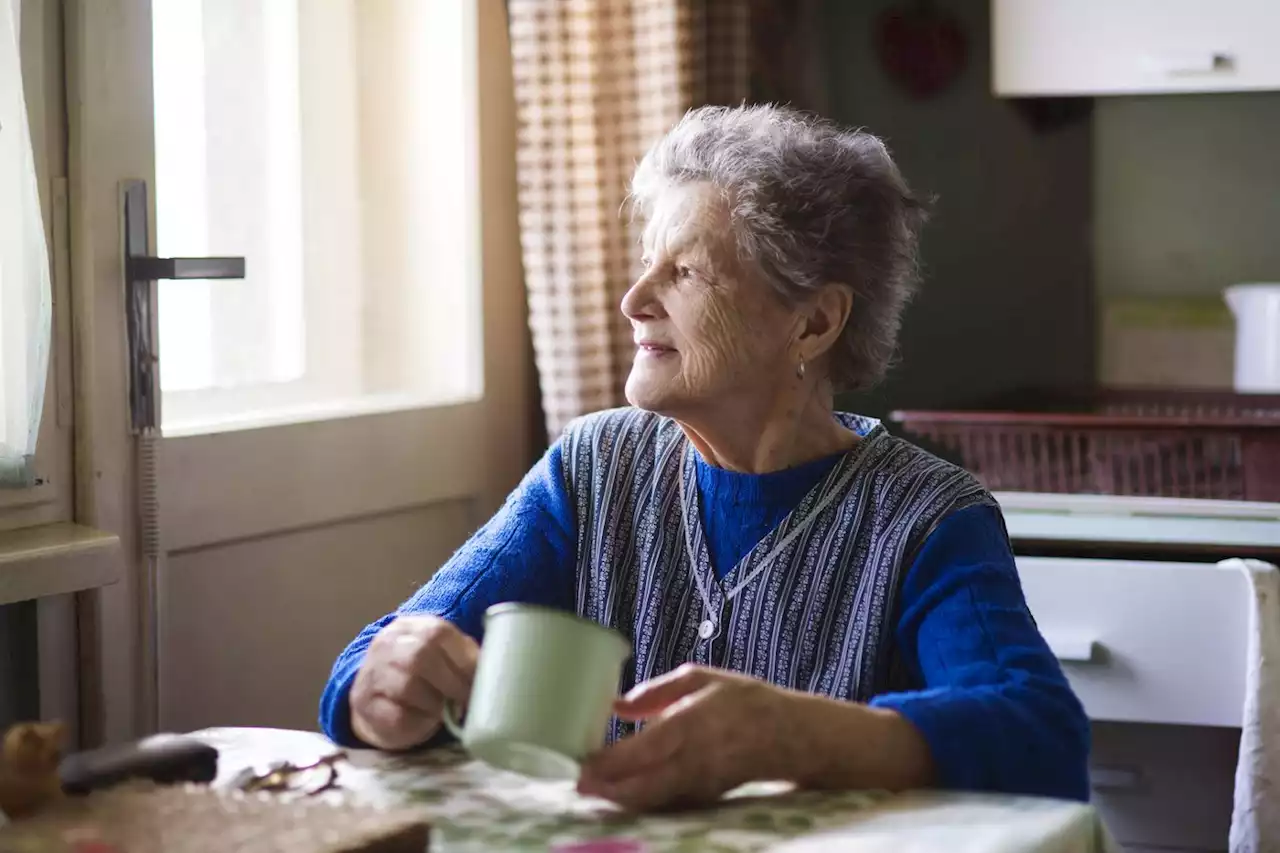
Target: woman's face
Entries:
(706, 334)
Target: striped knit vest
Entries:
(819, 617)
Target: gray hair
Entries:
(810, 204)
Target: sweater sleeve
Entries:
(524, 553)
(995, 707)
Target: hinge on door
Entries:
(61, 350)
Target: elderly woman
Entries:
(809, 597)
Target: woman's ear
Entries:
(825, 317)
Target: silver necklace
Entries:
(707, 629)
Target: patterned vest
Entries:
(818, 615)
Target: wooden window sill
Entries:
(54, 559)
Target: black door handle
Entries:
(157, 269)
(141, 269)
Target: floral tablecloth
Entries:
(473, 808)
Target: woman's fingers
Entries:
(639, 754)
(702, 738)
(657, 769)
(462, 651)
(387, 724)
(658, 694)
(406, 687)
(439, 654)
(651, 754)
(665, 786)
(413, 666)
(442, 673)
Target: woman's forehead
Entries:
(686, 217)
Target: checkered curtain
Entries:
(596, 83)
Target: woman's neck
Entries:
(761, 442)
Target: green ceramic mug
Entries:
(543, 690)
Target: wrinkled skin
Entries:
(720, 351)
(413, 666)
(707, 732)
(730, 336)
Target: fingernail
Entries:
(598, 791)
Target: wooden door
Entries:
(338, 422)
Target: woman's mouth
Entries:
(652, 350)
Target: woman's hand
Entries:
(707, 731)
(413, 666)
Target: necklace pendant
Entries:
(706, 629)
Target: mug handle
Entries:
(451, 720)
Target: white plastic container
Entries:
(1256, 307)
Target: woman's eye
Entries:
(684, 272)
(646, 261)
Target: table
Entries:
(474, 807)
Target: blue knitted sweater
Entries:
(992, 704)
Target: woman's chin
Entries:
(649, 393)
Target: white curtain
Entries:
(25, 294)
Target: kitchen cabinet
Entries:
(1120, 629)
(1151, 630)
(1125, 47)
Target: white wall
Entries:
(1186, 193)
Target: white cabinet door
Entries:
(1118, 47)
(1145, 642)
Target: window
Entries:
(332, 144)
(25, 292)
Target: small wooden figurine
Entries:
(29, 767)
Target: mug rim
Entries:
(517, 606)
(1272, 286)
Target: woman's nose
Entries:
(638, 302)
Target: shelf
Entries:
(1245, 529)
(55, 559)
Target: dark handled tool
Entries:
(165, 759)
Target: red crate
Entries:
(1177, 444)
